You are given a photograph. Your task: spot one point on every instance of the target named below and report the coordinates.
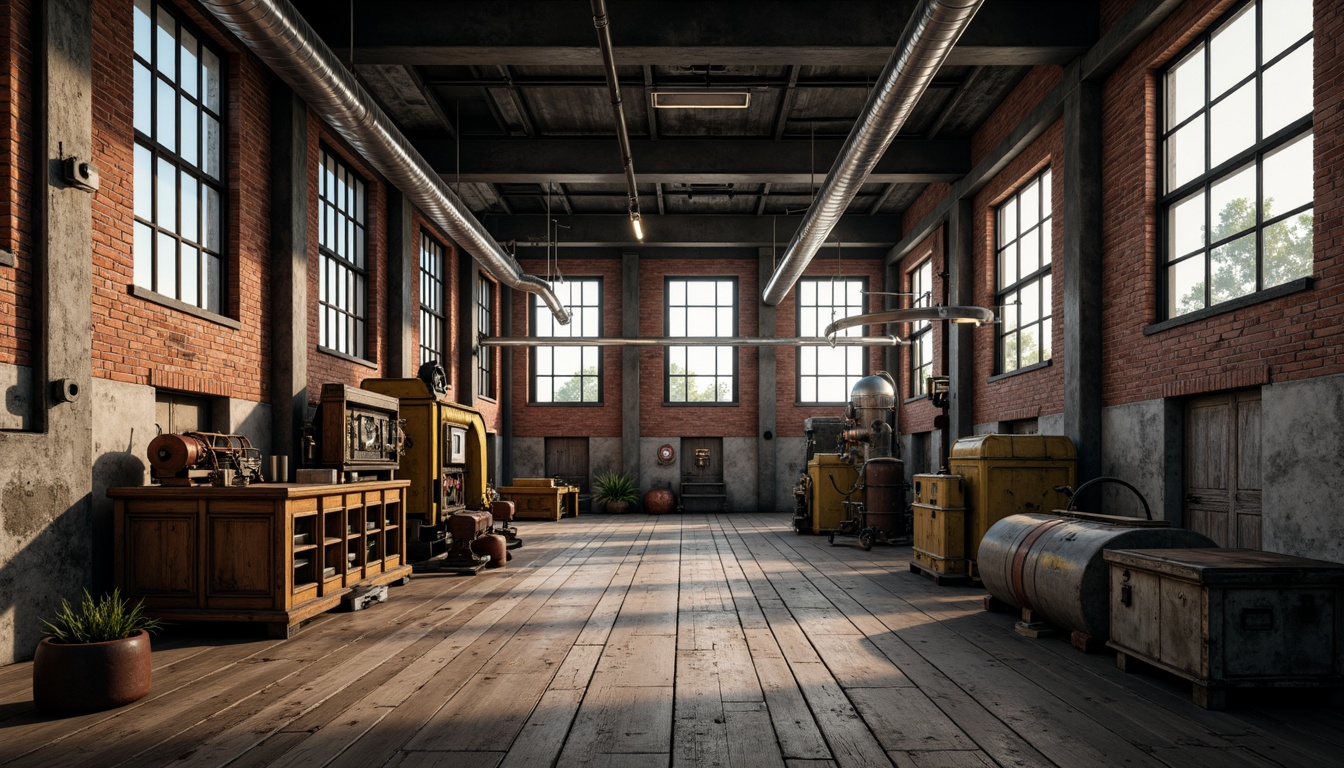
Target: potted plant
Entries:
(615, 491)
(96, 657)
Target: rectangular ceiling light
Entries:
(701, 99)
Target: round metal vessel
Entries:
(872, 398)
(1053, 564)
(884, 494)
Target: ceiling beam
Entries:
(690, 231)
(746, 161)
(544, 32)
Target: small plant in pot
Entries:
(96, 657)
(615, 491)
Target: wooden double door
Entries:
(1222, 468)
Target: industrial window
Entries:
(1022, 246)
(433, 314)
(485, 319)
(701, 308)
(921, 337)
(827, 374)
(343, 291)
(179, 159)
(568, 374)
(1236, 207)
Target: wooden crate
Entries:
(941, 490)
(939, 542)
(542, 503)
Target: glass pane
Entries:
(144, 256)
(1010, 353)
(700, 389)
(808, 391)
(1287, 181)
(144, 31)
(210, 219)
(590, 292)
(1008, 266)
(190, 215)
(212, 76)
(190, 138)
(1185, 226)
(677, 323)
(590, 325)
(166, 279)
(677, 359)
(166, 128)
(700, 360)
(190, 65)
(1010, 311)
(726, 298)
(807, 322)
(1008, 221)
(700, 323)
(1232, 203)
(830, 360)
(144, 183)
(1289, 22)
(1232, 52)
(1288, 250)
(590, 393)
(589, 359)
(1029, 251)
(1233, 267)
(165, 214)
(1045, 340)
(1185, 154)
(724, 324)
(1030, 352)
(807, 361)
(166, 60)
(831, 389)
(1031, 303)
(144, 100)
(1047, 241)
(213, 287)
(1031, 205)
(1185, 286)
(544, 360)
(725, 360)
(807, 292)
(1233, 125)
(676, 293)
(210, 136)
(854, 294)
(1288, 86)
(1185, 88)
(191, 261)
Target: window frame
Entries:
(535, 309)
(1203, 183)
(1042, 277)
(437, 286)
(355, 342)
(486, 293)
(145, 275)
(668, 351)
(799, 330)
(921, 332)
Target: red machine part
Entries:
(170, 454)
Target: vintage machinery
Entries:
(445, 460)
(355, 432)
(820, 496)
(204, 458)
(879, 515)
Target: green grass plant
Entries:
(98, 620)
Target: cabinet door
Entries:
(160, 564)
(241, 566)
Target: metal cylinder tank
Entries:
(884, 494)
(1053, 564)
(872, 398)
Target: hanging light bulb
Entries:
(638, 225)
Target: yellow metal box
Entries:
(939, 544)
(941, 490)
(832, 478)
(1009, 474)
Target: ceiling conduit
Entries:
(921, 51)
(695, 341)
(281, 38)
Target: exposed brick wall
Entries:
(1112, 11)
(1039, 81)
(16, 176)
(917, 415)
(142, 342)
(925, 204)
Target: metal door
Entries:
(1222, 468)
(702, 459)
(567, 459)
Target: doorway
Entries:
(567, 459)
(1222, 468)
(702, 488)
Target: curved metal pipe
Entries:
(281, 38)
(922, 49)
(694, 341)
(975, 315)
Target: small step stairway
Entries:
(703, 497)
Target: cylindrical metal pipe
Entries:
(603, 25)
(280, 37)
(693, 341)
(923, 47)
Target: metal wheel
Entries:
(866, 539)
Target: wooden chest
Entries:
(536, 502)
(941, 490)
(940, 539)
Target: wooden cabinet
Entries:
(541, 499)
(274, 553)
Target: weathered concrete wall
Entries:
(655, 475)
(604, 455)
(123, 425)
(529, 458)
(1051, 424)
(1302, 443)
(791, 461)
(249, 419)
(16, 382)
(1141, 445)
(739, 473)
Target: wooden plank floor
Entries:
(694, 640)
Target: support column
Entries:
(289, 271)
(504, 449)
(630, 432)
(960, 258)
(1082, 276)
(468, 329)
(402, 272)
(767, 482)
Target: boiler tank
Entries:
(884, 495)
(1053, 563)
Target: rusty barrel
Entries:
(884, 494)
(1053, 563)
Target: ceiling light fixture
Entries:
(639, 226)
(701, 99)
(973, 315)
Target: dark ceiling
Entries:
(508, 101)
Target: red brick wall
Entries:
(917, 415)
(16, 176)
(1019, 103)
(142, 342)
(568, 420)
(1295, 337)
(1112, 11)
(925, 204)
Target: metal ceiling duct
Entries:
(921, 51)
(695, 341)
(281, 38)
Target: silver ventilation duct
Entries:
(921, 51)
(694, 341)
(281, 38)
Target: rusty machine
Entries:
(448, 502)
(357, 433)
(204, 458)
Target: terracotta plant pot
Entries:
(493, 546)
(75, 678)
(659, 501)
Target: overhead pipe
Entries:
(921, 51)
(281, 38)
(695, 341)
(603, 25)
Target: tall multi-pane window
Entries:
(343, 287)
(1022, 245)
(701, 308)
(433, 314)
(921, 335)
(1237, 194)
(568, 374)
(827, 374)
(179, 159)
(485, 321)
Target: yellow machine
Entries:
(939, 545)
(830, 480)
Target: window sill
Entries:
(811, 403)
(914, 399)
(565, 405)
(489, 399)
(349, 358)
(671, 404)
(181, 306)
(1269, 294)
(1022, 370)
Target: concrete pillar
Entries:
(630, 365)
(403, 249)
(960, 259)
(504, 450)
(767, 496)
(468, 329)
(289, 271)
(1082, 276)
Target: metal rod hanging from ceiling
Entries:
(921, 51)
(281, 38)
(603, 25)
(695, 341)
